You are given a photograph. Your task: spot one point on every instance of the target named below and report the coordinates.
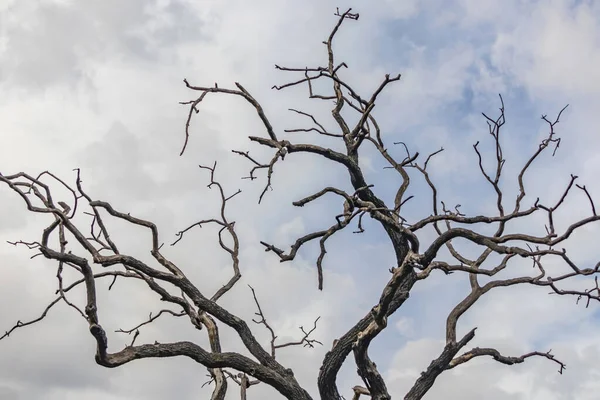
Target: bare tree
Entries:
(414, 261)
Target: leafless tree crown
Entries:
(414, 260)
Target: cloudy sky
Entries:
(96, 86)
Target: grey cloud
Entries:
(11, 219)
(57, 42)
(125, 153)
(9, 393)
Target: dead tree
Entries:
(415, 261)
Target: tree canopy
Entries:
(382, 187)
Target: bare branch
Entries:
(495, 354)
(451, 225)
(321, 130)
(151, 318)
(304, 341)
(240, 92)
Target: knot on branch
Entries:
(90, 309)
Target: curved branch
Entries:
(495, 354)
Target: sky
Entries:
(96, 86)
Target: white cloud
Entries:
(400, 10)
(555, 51)
(405, 326)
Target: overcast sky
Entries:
(96, 86)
